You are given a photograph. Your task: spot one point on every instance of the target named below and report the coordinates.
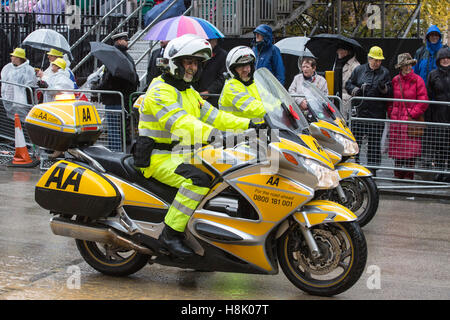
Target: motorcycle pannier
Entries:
(63, 124)
(71, 188)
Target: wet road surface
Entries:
(408, 255)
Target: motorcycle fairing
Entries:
(323, 211)
(273, 196)
(350, 170)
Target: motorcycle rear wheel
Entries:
(343, 258)
(109, 259)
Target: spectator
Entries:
(439, 90)
(370, 80)
(212, 78)
(57, 79)
(153, 70)
(426, 55)
(240, 95)
(267, 55)
(113, 101)
(17, 71)
(52, 56)
(406, 85)
(308, 73)
(343, 67)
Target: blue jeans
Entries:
(114, 120)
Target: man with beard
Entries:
(112, 101)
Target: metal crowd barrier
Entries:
(7, 125)
(385, 145)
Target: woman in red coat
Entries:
(406, 85)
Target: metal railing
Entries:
(389, 144)
(231, 16)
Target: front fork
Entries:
(312, 245)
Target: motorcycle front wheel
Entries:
(343, 257)
(362, 198)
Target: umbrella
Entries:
(46, 39)
(114, 60)
(172, 28)
(295, 46)
(325, 44)
(176, 10)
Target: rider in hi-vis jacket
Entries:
(240, 95)
(174, 113)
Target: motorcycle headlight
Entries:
(328, 179)
(350, 147)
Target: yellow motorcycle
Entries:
(357, 190)
(259, 213)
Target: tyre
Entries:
(110, 259)
(362, 198)
(343, 258)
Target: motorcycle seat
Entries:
(122, 165)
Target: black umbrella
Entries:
(324, 45)
(114, 60)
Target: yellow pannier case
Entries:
(64, 123)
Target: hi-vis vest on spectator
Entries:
(242, 101)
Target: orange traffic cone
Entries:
(21, 156)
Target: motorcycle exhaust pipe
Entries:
(81, 231)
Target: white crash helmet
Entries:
(240, 55)
(188, 45)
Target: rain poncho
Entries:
(23, 75)
(57, 81)
(48, 72)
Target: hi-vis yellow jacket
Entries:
(169, 115)
(241, 100)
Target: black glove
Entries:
(257, 126)
(357, 92)
(382, 86)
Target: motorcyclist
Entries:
(174, 113)
(240, 95)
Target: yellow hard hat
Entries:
(376, 53)
(19, 53)
(54, 52)
(60, 62)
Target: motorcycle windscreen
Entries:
(70, 188)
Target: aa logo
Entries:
(86, 115)
(73, 179)
(273, 182)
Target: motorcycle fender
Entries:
(351, 170)
(323, 211)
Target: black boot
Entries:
(172, 240)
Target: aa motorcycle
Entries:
(259, 214)
(357, 189)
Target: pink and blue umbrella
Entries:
(172, 28)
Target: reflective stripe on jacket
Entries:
(240, 100)
(169, 115)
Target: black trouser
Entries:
(374, 132)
